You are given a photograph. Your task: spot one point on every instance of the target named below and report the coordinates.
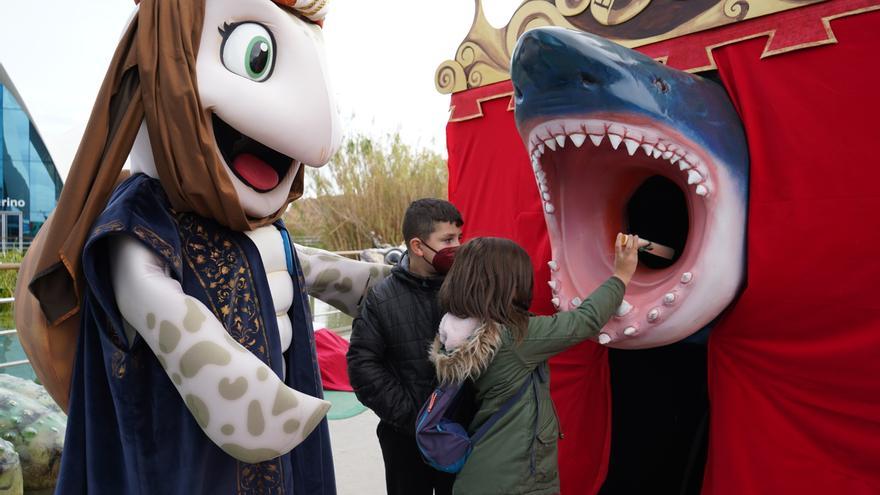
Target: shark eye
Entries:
(248, 50)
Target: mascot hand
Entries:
(339, 281)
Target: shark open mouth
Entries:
(255, 164)
(599, 174)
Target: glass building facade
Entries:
(29, 182)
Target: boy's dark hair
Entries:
(418, 221)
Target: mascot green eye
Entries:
(248, 50)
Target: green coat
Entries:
(501, 463)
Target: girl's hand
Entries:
(626, 257)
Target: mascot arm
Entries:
(237, 400)
(339, 281)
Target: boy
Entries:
(388, 359)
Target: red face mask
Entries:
(443, 259)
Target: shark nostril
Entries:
(588, 80)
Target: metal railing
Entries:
(13, 331)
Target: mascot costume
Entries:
(176, 291)
(758, 178)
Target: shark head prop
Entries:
(620, 142)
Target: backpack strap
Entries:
(288, 248)
(500, 412)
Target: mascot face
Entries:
(262, 77)
(619, 142)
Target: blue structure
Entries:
(29, 182)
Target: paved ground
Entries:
(356, 455)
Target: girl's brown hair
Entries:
(491, 280)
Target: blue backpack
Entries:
(442, 440)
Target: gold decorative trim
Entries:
(483, 57)
(830, 39)
(479, 104)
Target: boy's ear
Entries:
(414, 245)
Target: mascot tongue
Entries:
(257, 173)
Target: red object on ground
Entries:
(793, 367)
(331, 359)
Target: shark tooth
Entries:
(653, 315)
(555, 302)
(683, 165)
(674, 159)
(554, 285)
(548, 207)
(694, 177)
(702, 190)
(649, 149)
(554, 266)
(686, 277)
(604, 338)
(631, 146)
(615, 140)
(546, 196)
(630, 331)
(656, 153)
(597, 140)
(667, 155)
(561, 140)
(551, 143)
(578, 139)
(576, 301)
(669, 299)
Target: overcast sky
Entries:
(57, 51)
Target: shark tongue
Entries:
(257, 173)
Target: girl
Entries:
(489, 336)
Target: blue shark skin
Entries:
(642, 118)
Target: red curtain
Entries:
(794, 370)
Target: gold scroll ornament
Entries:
(483, 57)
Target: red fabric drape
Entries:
(492, 183)
(331, 350)
(795, 368)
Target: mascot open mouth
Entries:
(255, 164)
(621, 143)
(604, 173)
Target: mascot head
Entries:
(222, 100)
(262, 88)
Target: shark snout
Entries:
(542, 61)
(552, 65)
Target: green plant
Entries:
(365, 189)
(8, 277)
